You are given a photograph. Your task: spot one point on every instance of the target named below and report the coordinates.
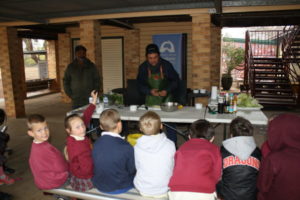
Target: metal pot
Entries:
(169, 106)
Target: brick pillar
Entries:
(215, 55)
(52, 64)
(13, 72)
(64, 59)
(90, 37)
(201, 53)
(131, 53)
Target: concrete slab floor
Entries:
(54, 110)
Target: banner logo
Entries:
(167, 46)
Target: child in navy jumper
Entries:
(113, 157)
(198, 165)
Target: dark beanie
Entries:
(152, 48)
(80, 48)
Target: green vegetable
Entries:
(245, 100)
(113, 98)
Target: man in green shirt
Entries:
(81, 77)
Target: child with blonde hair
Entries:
(79, 148)
(48, 165)
(113, 157)
(154, 158)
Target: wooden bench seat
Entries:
(38, 84)
(94, 194)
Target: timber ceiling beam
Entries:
(120, 23)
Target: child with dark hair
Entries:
(279, 174)
(4, 138)
(198, 165)
(241, 162)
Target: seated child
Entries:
(154, 158)
(48, 166)
(265, 147)
(4, 138)
(241, 162)
(279, 174)
(198, 165)
(113, 157)
(79, 149)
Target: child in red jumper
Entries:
(198, 165)
(279, 174)
(48, 165)
(79, 148)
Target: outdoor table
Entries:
(189, 115)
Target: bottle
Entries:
(105, 101)
(235, 103)
(231, 103)
(220, 103)
(227, 103)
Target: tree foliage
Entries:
(234, 57)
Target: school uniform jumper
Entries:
(48, 166)
(80, 157)
(279, 174)
(114, 167)
(197, 168)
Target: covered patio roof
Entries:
(45, 18)
(42, 11)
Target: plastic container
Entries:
(105, 101)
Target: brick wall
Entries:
(13, 73)
(64, 59)
(201, 53)
(91, 39)
(52, 64)
(215, 55)
(131, 53)
(51, 58)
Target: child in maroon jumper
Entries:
(198, 165)
(48, 166)
(279, 174)
(79, 149)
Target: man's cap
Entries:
(152, 48)
(80, 48)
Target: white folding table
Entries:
(189, 115)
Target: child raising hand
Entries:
(79, 148)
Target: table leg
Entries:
(225, 131)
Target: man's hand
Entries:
(154, 92)
(162, 93)
(94, 95)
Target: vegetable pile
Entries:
(245, 100)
